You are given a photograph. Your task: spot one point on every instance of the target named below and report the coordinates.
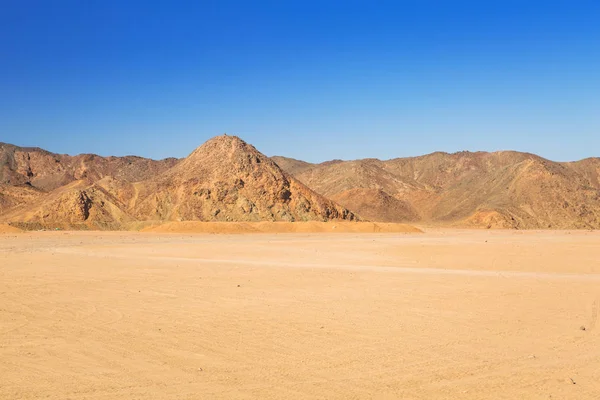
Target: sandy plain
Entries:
(448, 314)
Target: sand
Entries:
(440, 315)
(280, 227)
(8, 229)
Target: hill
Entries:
(225, 179)
(47, 171)
(502, 189)
(376, 205)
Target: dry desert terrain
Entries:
(448, 314)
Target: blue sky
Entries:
(314, 80)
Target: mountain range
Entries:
(227, 179)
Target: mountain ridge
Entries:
(227, 179)
(504, 189)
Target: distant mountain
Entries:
(291, 165)
(48, 171)
(503, 189)
(227, 179)
(377, 205)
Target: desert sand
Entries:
(280, 227)
(447, 314)
(8, 229)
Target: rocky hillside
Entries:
(40, 189)
(227, 179)
(501, 189)
(376, 205)
(223, 180)
(48, 171)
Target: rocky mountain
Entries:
(501, 189)
(40, 189)
(376, 205)
(225, 179)
(291, 165)
(47, 171)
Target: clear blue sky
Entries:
(313, 80)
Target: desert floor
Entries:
(448, 314)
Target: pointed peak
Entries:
(224, 141)
(225, 138)
(223, 146)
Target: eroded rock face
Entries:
(83, 205)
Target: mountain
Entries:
(291, 165)
(77, 205)
(47, 171)
(376, 205)
(225, 179)
(502, 189)
(39, 188)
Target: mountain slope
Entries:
(291, 165)
(76, 205)
(376, 205)
(42, 189)
(227, 179)
(502, 189)
(48, 171)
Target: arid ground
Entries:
(448, 314)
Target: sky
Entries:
(313, 80)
